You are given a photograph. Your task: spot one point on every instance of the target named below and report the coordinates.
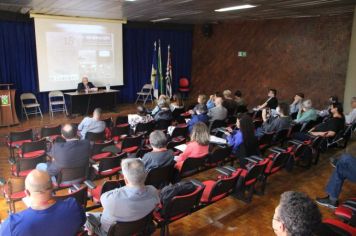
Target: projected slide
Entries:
(67, 51)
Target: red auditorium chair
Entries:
(217, 189)
(17, 138)
(120, 131)
(347, 212)
(109, 166)
(247, 178)
(217, 124)
(333, 227)
(97, 152)
(176, 114)
(121, 120)
(218, 156)
(180, 130)
(144, 226)
(23, 166)
(14, 191)
(160, 177)
(79, 193)
(191, 166)
(177, 208)
(33, 149)
(108, 122)
(145, 128)
(280, 137)
(131, 144)
(69, 176)
(50, 132)
(95, 137)
(265, 141)
(176, 142)
(184, 86)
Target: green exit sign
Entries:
(242, 54)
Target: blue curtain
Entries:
(18, 63)
(138, 49)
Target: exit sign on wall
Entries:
(242, 54)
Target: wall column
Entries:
(350, 84)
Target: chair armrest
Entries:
(251, 160)
(90, 184)
(197, 183)
(254, 157)
(279, 149)
(223, 171)
(296, 142)
(76, 186)
(230, 168)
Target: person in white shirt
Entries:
(94, 125)
(140, 117)
(351, 117)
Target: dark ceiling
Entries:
(180, 11)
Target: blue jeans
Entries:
(345, 169)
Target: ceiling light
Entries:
(246, 6)
(130, 0)
(161, 19)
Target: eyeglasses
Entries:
(276, 219)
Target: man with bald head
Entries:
(69, 154)
(45, 215)
(219, 112)
(85, 85)
(92, 124)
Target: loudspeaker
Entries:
(207, 30)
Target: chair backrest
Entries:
(176, 142)
(163, 124)
(121, 120)
(24, 164)
(50, 131)
(53, 94)
(79, 174)
(40, 145)
(138, 227)
(192, 166)
(28, 96)
(108, 122)
(145, 128)
(295, 127)
(123, 129)
(277, 162)
(217, 124)
(15, 185)
(219, 154)
(183, 82)
(266, 139)
(142, 151)
(80, 195)
(310, 124)
(109, 185)
(177, 112)
(21, 135)
(222, 187)
(95, 137)
(133, 141)
(160, 177)
(109, 163)
(333, 227)
(182, 205)
(255, 172)
(180, 131)
(147, 88)
(98, 147)
(280, 136)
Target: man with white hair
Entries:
(45, 215)
(219, 112)
(351, 117)
(129, 203)
(85, 85)
(306, 112)
(94, 124)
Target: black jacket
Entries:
(81, 86)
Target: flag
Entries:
(154, 75)
(169, 74)
(159, 70)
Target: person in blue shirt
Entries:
(201, 116)
(243, 140)
(45, 216)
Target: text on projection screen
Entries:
(68, 50)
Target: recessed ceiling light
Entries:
(130, 0)
(240, 7)
(161, 19)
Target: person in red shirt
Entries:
(198, 147)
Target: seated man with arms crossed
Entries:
(160, 156)
(93, 125)
(296, 214)
(45, 216)
(69, 154)
(129, 203)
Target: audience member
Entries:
(201, 116)
(351, 117)
(238, 98)
(296, 215)
(219, 112)
(164, 112)
(243, 140)
(271, 102)
(94, 125)
(297, 103)
(201, 103)
(345, 169)
(140, 117)
(129, 203)
(85, 85)
(162, 100)
(326, 112)
(160, 156)
(276, 124)
(210, 103)
(70, 154)
(306, 112)
(45, 215)
(198, 146)
(177, 102)
(229, 103)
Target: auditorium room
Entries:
(178, 117)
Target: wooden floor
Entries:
(228, 216)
